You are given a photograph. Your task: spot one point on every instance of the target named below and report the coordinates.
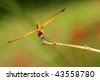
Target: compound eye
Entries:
(40, 34)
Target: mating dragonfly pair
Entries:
(39, 27)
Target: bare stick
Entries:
(73, 46)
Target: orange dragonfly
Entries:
(39, 27)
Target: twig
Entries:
(71, 45)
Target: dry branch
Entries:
(71, 45)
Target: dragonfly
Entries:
(39, 27)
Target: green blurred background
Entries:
(79, 24)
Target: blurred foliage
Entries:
(79, 24)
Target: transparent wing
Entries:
(22, 36)
(53, 17)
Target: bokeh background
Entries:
(79, 24)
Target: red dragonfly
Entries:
(39, 27)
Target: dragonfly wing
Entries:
(52, 18)
(22, 36)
